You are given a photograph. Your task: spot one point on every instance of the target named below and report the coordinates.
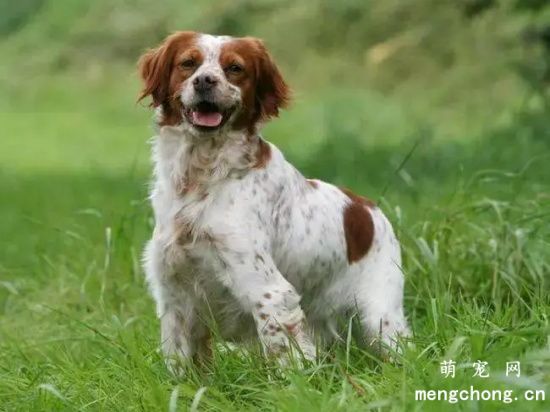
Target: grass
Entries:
(77, 327)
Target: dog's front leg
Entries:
(274, 304)
(183, 335)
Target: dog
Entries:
(240, 235)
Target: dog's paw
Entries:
(293, 355)
(390, 348)
(177, 365)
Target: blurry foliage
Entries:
(474, 7)
(419, 162)
(536, 32)
(14, 14)
(364, 31)
(458, 55)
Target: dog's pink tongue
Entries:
(209, 119)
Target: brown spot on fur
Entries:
(182, 185)
(186, 188)
(290, 327)
(263, 154)
(263, 316)
(272, 327)
(357, 198)
(386, 323)
(267, 295)
(358, 226)
(259, 305)
(312, 183)
(247, 157)
(359, 229)
(182, 231)
(185, 232)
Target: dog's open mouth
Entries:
(207, 115)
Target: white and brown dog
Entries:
(240, 235)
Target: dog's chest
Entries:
(193, 232)
(203, 229)
(205, 236)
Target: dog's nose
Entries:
(204, 82)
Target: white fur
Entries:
(260, 250)
(227, 94)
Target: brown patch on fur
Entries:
(312, 183)
(259, 305)
(163, 74)
(290, 327)
(184, 187)
(183, 231)
(358, 226)
(267, 295)
(263, 316)
(357, 198)
(263, 154)
(263, 88)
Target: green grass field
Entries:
(471, 206)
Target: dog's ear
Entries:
(272, 92)
(154, 67)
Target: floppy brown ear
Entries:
(272, 92)
(154, 68)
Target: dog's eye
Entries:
(234, 68)
(188, 64)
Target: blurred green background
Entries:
(372, 81)
(438, 109)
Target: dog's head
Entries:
(209, 83)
